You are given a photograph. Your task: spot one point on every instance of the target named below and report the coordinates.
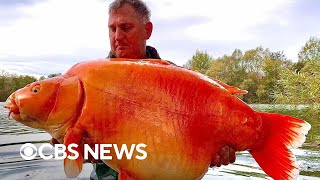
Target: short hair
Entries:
(139, 6)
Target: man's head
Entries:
(129, 28)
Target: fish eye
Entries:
(35, 89)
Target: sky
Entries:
(41, 37)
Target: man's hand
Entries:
(53, 141)
(224, 156)
(90, 159)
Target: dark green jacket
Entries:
(151, 52)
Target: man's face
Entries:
(128, 33)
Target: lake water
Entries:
(13, 135)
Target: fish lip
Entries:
(14, 109)
(12, 106)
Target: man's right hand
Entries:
(225, 156)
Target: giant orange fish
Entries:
(181, 116)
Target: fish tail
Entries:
(274, 156)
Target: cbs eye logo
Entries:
(28, 151)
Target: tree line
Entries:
(269, 77)
(11, 82)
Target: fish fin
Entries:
(123, 175)
(275, 157)
(232, 89)
(73, 167)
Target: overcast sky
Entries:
(41, 37)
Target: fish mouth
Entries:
(15, 111)
(12, 106)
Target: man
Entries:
(129, 29)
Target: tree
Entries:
(272, 67)
(251, 63)
(300, 87)
(257, 70)
(309, 52)
(11, 82)
(252, 59)
(200, 62)
(54, 75)
(237, 53)
(269, 76)
(228, 70)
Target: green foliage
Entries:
(200, 62)
(253, 78)
(252, 60)
(267, 76)
(272, 67)
(11, 82)
(310, 51)
(54, 75)
(228, 69)
(300, 84)
(257, 70)
(300, 87)
(42, 78)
